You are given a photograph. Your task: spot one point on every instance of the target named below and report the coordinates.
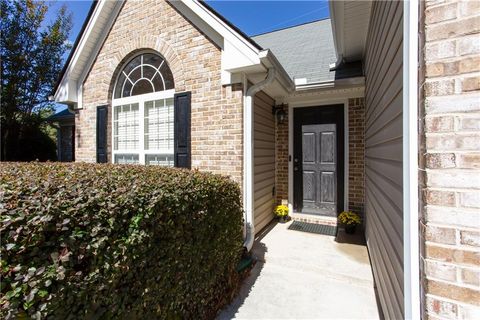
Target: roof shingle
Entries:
(305, 51)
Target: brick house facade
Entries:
(357, 67)
(195, 63)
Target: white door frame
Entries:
(317, 103)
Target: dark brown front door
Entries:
(318, 160)
(319, 167)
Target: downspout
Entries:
(248, 156)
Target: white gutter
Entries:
(411, 250)
(248, 187)
(268, 59)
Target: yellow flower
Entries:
(281, 211)
(349, 218)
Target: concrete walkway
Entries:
(302, 275)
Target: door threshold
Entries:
(314, 218)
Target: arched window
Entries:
(146, 73)
(143, 112)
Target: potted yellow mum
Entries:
(281, 212)
(350, 220)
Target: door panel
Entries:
(327, 144)
(308, 147)
(309, 186)
(327, 183)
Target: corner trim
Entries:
(411, 249)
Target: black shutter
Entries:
(102, 134)
(182, 107)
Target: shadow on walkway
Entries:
(357, 238)
(305, 275)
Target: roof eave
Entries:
(74, 47)
(350, 21)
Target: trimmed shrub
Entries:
(111, 241)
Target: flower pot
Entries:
(283, 219)
(350, 229)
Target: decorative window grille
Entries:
(145, 73)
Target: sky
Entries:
(252, 17)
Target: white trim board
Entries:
(411, 249)
(318, 103)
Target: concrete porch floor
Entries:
(302, 275)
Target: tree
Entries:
(31, 60)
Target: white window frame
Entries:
(141, 100)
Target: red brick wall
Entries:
(356, 150)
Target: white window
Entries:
(143, 112)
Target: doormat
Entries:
(313, 228)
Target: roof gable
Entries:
(238, 50)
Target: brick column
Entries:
(356, 155)
(281, 160)
(450, 157)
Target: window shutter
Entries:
(182, 116)
(102, 133)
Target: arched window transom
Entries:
(146, 73)
(143, 112)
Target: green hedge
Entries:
(110, 241)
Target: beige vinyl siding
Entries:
(264, 160)
(383, 153)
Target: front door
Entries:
(318, 160)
